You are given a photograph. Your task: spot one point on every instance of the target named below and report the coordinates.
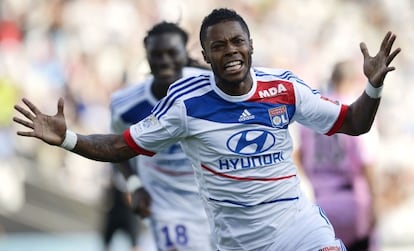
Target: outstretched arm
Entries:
(52, 130)
(362, 112)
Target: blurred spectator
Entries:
(340, 169)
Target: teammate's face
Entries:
(166, 55)
(228, 49)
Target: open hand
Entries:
(377, 67)
(50, 129)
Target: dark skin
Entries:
(227, 42)
(230, 57)
(166, 55)
(112, 148)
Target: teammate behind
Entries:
(168, 193)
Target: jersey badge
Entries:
(150, 121)
(147, 123)
(279, 116)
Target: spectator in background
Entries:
(340, 168)
(168, 193)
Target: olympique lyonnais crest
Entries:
(279, 116)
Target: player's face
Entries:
(166, 55)
(228, 49)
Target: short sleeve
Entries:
(318, 112)
(156, 133)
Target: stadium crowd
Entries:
(84, 50)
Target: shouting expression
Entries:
(228, 49)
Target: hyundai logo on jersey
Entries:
(251, 142)
(251, 161)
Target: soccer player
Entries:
(340, 169)
(168, 194)
(233, 125)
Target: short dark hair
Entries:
(166, 27)
(218, 16)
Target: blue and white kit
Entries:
(241, 149)
(178, 217)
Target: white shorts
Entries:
(182, 235)
(312, 231)
(301, 226)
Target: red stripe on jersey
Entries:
(131, 143)
(247, 178)
(338, 123)
(275, 91)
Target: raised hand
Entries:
(50, 129)
(377, 67)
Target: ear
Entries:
(251, 47)
(205, 57)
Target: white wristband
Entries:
(70, 140)
(373, 92)
(133, 183)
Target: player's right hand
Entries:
(50, 129)
(141, 202)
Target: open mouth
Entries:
(233, 66)
(166, 72)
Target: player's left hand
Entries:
(377, 67)
(141, 202)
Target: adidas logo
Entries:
(246, 115)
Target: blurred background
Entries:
(84, 50)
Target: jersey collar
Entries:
(231, 98)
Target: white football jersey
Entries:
(240, 147)
(169, 175)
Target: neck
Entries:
(159, 90)
(235, 88)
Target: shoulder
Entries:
(275, 73)
(270, 71)
(194, 71)
(183, 90)
(189, 85)
(133, 93)
(272, 74)
(130, 89)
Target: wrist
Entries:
(70, 140)
(373, 92)
(133, 183)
